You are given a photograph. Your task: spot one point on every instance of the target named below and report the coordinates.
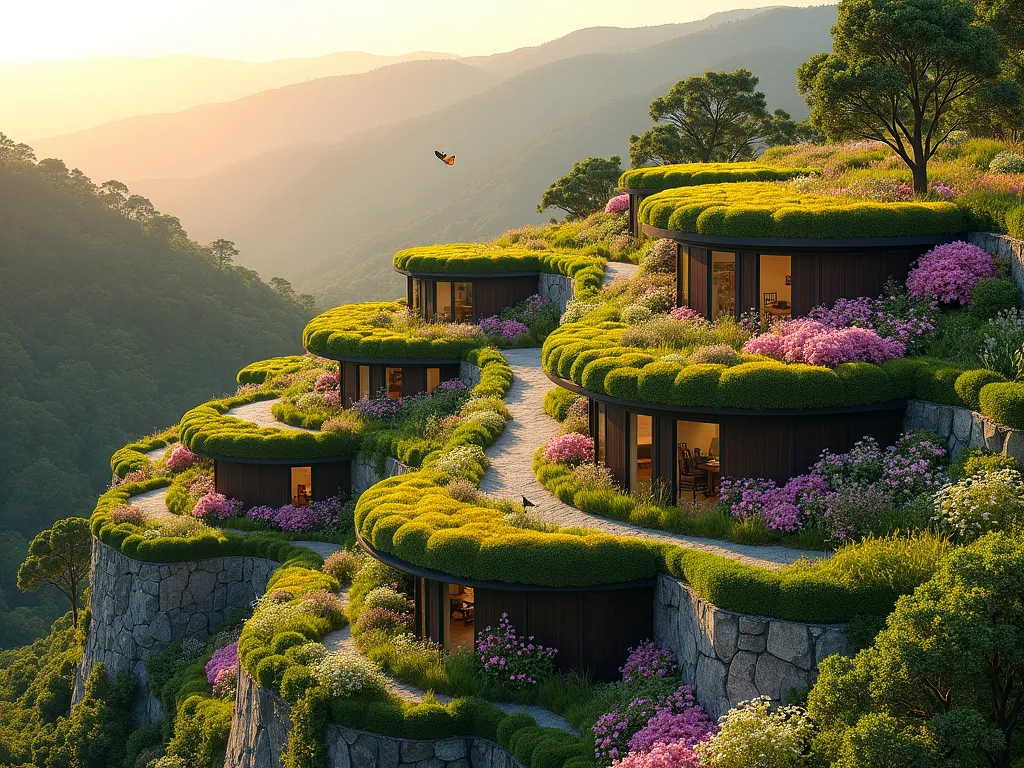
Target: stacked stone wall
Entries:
(1005, 247)
(138, 609)
(259, 737)
(963, 428)
(730, 657)
(558, 289)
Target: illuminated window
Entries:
(683, 277)
(444, 301)
(394, 382)
(461, 615)
(433, 378)
(463, 302)
(697, 467)
(364, 383)
(642, 450)
(302, 486)
(723, 284)
(776, 286)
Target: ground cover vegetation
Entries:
(670, 176)
(113, 321)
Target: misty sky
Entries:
(262, 30)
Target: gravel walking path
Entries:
(153, 504)
(260, 414)
(616, 269)
(511, 472)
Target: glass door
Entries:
(723, 284)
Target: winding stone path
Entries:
(616, 269)
(260, 414)
(511, 472)
(153, 504)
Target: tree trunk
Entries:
(921, 178)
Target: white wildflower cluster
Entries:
(753, 734)
(347, 673)
(575, 310)
(269, 617)
(979, 504)
(463, 461)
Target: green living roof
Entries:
(695, 174)
(760, 209)
(456, 258)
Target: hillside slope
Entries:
(98, 90)
(105, 333)
(204, 138)
(291, 208)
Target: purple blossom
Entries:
(617, 204)
(293, 519)
(181, 458)
(658, 719)
(511, 660)
(948, 272)
(381, 406)
(510, 330)
(687, 314)
(809, 341)
(647, 660)
(451, 385)
(214, 507)
(223, 660)
(328, 381)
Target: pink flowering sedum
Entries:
(668, 755)
(687, 314)
(647, 660)
(215, 506)
(572, 448)
(327, 381)
(181, 458)
(223, 659)
(948, 272)
(618, 204)
(813, 342)
(511, 660)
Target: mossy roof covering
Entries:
(455, 258)
(354, 330)
(208, 431)
(761, 209)
(261, 370)
(694, 174)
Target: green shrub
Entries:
(935, 380)
(508, 727)
(969, 384)
(976, 461)
(260, 372)
(662, 177)
(623, 383)
(864, 383)
(1004, 403)
(1007, 162)
(993, 295)
(1015, 222)
(557, 402)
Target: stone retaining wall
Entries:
(731, 657)
(138, 609)
(1005, 247)
(259, 735)
(365, 474)
(470, 374)
(964, 428)
(557, 289)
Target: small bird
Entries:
(527, 503)
(449, 159)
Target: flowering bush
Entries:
(575, 310)
(181, 458)
(135, 476)
(659, 256)
(894, 315)
(593, 477)
(690, 727)
(614, 731)
(327, 381)
(225, 683)
(948, 272)
(463, 461)
(647, 660)
(509, 330)
(451, 385)
(979, 504)
(657, 298)
(512, 661)
(717, 354)
(618, 204)
(636, 314)
(687, 314)
(577, 417)
(215, 507)
(571, 449)
(347, 673)
(387, 597)
(223, 659)
(385, 620)
(342, 565)
(202, 485)
(323, 603)
(127, 514)
(380, 406)
(290, 518)
(664, 755)
(753, 734)
(809, 341)
(1007, 162)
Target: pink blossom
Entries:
(181, 458)
(215, 506)
(572, 448)
(225, 658)
(617, 204)
(666, 755)
(810, 341)
(948, 272)
(327, 382)
(687, 314)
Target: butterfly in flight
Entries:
(449, 159)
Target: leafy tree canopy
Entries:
(942, 684)
(716, 117)
(585, 189)
(907, 73)
(59, 557)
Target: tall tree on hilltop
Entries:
(585, 189)
(59, 557)
(714, 117)
(901, 73)
(224, 252)
(12, 154)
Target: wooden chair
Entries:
(691, 478)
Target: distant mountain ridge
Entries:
(339, 205)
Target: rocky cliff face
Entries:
(138, 609)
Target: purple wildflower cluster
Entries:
(687, 314)
(292, 519)
(647, 660)
(649, 720)
(329, 385)
(572, 448)
(948, 272)
(181, 458)
(618, 204)
(892, 477)
(534, 304)
(810, 341)
(894, 316)
(943, 190)
(214, 507)
(380, 406)
(223, 662)
(510, 660)
(451, 385)
(510, 330)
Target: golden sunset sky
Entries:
(263, 30)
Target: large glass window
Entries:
(302, 486)
(364, 383)
(601, 449)
(683, 276)
(444, 301)
(394, 382)
(433, 379)
(642, 450)
(697, 467)
(723, 284)
(776, 286)
(464, 302)
(461, 615)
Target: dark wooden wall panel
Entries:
(275, 484)
(756, 450)
(331, 478)
(811, 437)
(613, 622)
(747, 296)
(414, 380)
(664, 449)
(349, 375)
(897, 266)
(699, 274)
(377, 379)
(805, 283)
(616, 432)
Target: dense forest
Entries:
(112, 323)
